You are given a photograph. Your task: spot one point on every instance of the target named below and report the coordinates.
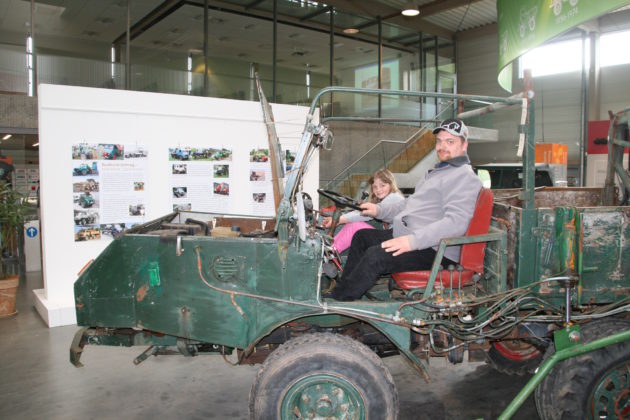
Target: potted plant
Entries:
(13, 206)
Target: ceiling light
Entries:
(351, 31)
(7, 137)
(35, 144)
(410, 9)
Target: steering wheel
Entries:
(340, 199)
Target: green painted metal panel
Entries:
(140, 281)
(606, 254)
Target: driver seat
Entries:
(471, 257)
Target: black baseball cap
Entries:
(454, 126)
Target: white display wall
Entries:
(139, 155)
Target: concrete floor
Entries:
(37, 380)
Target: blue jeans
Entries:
(367, 261)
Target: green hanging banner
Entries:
(526, 24)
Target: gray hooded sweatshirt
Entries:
(441, 206)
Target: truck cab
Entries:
(510, 175)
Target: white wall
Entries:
(71, 115)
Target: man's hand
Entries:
(369, 209)
(398, 245)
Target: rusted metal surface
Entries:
(576, 236)
(142, 292)
(553, 197)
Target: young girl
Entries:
(382, 189)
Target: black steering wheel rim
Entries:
(341, 200)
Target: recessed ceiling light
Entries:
(351, 31)
(410, 9)
(7, 137)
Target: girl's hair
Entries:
(388, 178)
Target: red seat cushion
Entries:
(419, 279)
(471, 257)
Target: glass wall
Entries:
(159, 55)
(13, 75)
(166, 52)
(303, 64)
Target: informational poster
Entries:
(260, 177)
(201, 178)
(108, 189)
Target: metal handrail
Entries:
(380, 92)
(495, 104)
(406, 142)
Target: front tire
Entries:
(595, 385)
(323, 376)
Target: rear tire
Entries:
(323, 376)
(594, 385)
(514, 357)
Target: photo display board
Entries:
(108, 189)
(110, 159)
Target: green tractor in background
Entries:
(552, 283)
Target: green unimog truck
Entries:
(546, 286)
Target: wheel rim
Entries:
(611, 396)
(516, 350)
(323, 396)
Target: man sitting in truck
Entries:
(441, 207)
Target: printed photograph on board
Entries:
(222, 188)
(182, 207)
(259, 155)
(86, 217)
(221, 171)
(135, 152)
(220, 154)
(89, 185)
(256, 175)
(111, 151)
(136, 209)
(90, 233)
(84, 151)
(179, 153)
(180, 192)
(112, 229)
(85, 168)
(180, 169)
(85, 200)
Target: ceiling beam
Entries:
(291, 20)
(401, 38)
(374, 9)
(154, 16)
(316, 13)
(253, 4)
(490, 29)
(439, 6)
